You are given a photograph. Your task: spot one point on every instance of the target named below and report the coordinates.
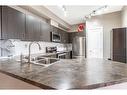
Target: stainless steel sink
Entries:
(44, 61)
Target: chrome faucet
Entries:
(29, 56)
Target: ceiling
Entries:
(76, 14)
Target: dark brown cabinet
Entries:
(63, 39)
(61, 35)
(37, 29)
(33, 29)
(13, 23)
(64, 36)
(71, 36)
(17, 25)
(68, 55)
(0, 23)
(45, 32)
(120, 45)
(54, 29)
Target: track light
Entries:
(96, 12)
(63, 9)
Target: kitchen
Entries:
(46, 48)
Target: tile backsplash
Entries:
(13, 47)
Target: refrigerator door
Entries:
(78, 46)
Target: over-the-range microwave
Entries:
(55, 37)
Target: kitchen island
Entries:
(68, 73)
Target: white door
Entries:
(95, 42)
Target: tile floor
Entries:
(8, 82)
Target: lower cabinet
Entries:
(64, 55)
(67, 55)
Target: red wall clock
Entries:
(81, 27)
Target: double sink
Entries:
(43, 61)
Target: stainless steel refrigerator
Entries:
(79, 47)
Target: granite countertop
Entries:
(68, 73)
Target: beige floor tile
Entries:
(8, 82)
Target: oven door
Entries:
(62, 56)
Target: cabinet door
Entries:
(64, 36)
(37, 29)
(119, 44)
(70, 37)
(54, 29)
(0, 22)
(32, 28)
(45, 32)
(61, 35)
(13, 23)
(29, 35)
(68, 55)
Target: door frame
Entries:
(87, 41)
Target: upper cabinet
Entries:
(0, 22)
(45, 32)
(36, 30)
(64, 36)
(13, 23)
(17, 25)
(54, 29)
(33, 29)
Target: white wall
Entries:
(108, 22)
(74, 28)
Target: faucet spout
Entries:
(29, 56)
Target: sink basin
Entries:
(45, 61)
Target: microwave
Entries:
(55, 37)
